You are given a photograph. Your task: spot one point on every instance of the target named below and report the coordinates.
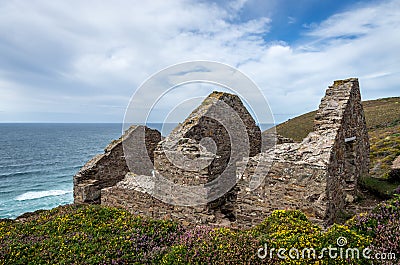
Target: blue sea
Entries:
(38, 162)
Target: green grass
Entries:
(298, 127)
(384, 148)
(379, 187)
(379, 113)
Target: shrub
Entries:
(217, 246)
(383, 225)
(102, 235)
(292, 229)
(88, 234)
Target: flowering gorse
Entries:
(101, 235)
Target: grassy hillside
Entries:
(380, 113)
(383, 123)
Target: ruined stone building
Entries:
(319, 175)
(212, 168)
(106, 170)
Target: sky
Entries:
(81, 61)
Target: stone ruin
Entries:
(318, 176)
(216, 135)
(106, 170)
(220, 143)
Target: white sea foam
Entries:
(30, 195)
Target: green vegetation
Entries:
(383, 123)
(102, 235)
(380, 187)
(298, 127)
(85, 235)
(384, 148)
(380, 113)
(94, 234)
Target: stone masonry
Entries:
(220, 143)
(105, 170)
(204, 148)
(225, 129)
(319, 175)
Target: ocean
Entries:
(38, 162)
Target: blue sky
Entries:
(81, 61)
(291, 19)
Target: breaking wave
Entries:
(31, 195)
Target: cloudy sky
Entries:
(81, 61)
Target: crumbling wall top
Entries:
(333, 104)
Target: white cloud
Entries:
(89, 56)
(358, 22)
(359, 43)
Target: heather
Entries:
(89, 235)
(102, 235)
(382, 224)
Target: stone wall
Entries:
(270, 138)
(349, 158)
(287, 185)
(207, 145)
(319, 175)
(135, 198)
(106, 169)
(219, 125)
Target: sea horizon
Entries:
(39, 159)
(38, 162)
